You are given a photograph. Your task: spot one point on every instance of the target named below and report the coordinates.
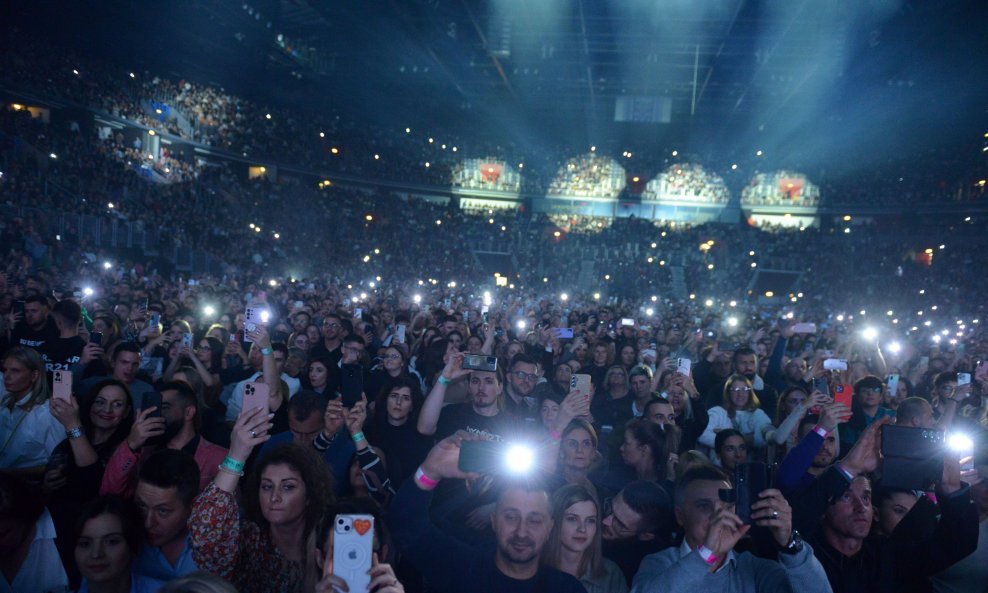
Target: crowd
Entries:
(782, 188)
(168, 431)
(687, 182)
(590, 176)
(487, 174)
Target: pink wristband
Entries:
(425, 481)
(707, 555)
(823, 432)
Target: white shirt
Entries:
(754, 422)
(42, 570)
(236, 401)
(28, 437)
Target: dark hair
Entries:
(655, 401)
(20, 501)
(354, 339)
(381, 401)
(722, 437)
(305, 403)
(743, 351)
(131, 523)
(37, 298)
(126, 347)
(170, 468)
(523, 358)
(867, 382)
(650, 502)
(280, 347)
(315, 474)
(68, 309)
(654, 437)
(86, 405)
(188, 396)
(942, 379)
(113, 323)
(639, 370)
(216, 349)
(909, 408)
(699, 473)
(431, 360)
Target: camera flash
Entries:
(87, 291)
(519, 459)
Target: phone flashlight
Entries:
(265, 316)
(519, 459)
(88, 291)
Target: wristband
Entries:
(424, 481)
(823, 432)
(73, 433)
(555, 435)
(358, 437)
(848, 475)
(232, 464)
(708, 556)
(267, 351)
(444, 380)
(227, 470)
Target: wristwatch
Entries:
(73, 433)
(795, 545)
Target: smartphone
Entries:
(187, 340)
(256, 395)
(627, 322)
(835, 364)
(353, 549)
(233, 337)
(19, 307)
(152, 399)
(912, 457)
(750, 479)
(358, 313)
(844, 394)
(252, 318)
(683, 366)
(61, 385)
(893, 385)
(804, 328)
(351, 384)
(822, 385)
(479, 362)
(96, 338)
(727, 346)
(581, 382)
(155, 320)
(400, 333)
(563, 333)
(483, 457)
(963, 379)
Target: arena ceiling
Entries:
(715, 70)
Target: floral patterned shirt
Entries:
(238, 551)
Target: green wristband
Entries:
(358, 437)
(232, 464)
(444, 380)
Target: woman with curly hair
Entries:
(283, 499)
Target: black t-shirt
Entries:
(547, 580)
(60, 354)
(462, 417)
(25, 336)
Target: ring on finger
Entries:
(775, 514)
(253, 433)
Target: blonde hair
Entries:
(753, 403)
(39, 393)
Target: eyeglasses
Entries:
(744, 389)
(523, 376)
(333, 325)
(392, 357)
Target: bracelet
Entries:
(444, 380)
(424, 481)
(555, 435)
(823, 432)
(73, 433)
(358, 437)
(227, 470)
(707, 554)
(267, 351)
(232, 464)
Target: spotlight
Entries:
(869, 333)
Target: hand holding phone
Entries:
(353, 550)
(256, 395)
(61, 385)
(835, 364)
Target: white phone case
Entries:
(62, 385)
(683, 366)
(353, 547)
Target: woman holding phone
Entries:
(574, 544)
(284, 497)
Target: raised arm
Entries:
(429, 415)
